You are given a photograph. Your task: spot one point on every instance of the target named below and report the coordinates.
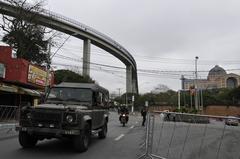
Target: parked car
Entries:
(231, 120)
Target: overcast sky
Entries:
(162, 35)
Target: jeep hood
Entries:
(60, 106)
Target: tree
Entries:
(160, 88)
(23, 35)
(70, 76)
(234, 96)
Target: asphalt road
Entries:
(121, 142)
(172, 140)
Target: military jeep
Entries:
(71, 110)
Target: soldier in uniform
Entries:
(144, 113)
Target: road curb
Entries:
(7, 130)
(8, 125)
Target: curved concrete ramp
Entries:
(81, 31)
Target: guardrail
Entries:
(8, 120)
(171, 135)
(8, 114)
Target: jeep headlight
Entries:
(25, 113)
(28, 115)
(69, 118)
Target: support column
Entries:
(134, 82)
(86, 58)
(129, 83)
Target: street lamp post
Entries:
(196, 85)
(179, 98)
(133, 99)
(121, 100)
(48, 66)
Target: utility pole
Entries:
(179, 98)
(119, 95)
(48, 66)
(119, 91)
(195, 83)
(126, 100)
(201, 101)
(133, 99)
(191, 100)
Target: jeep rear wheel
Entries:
(82, 141)
(26, 140)
(103, 133)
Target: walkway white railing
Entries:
(81, 26)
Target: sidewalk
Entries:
(7, 130)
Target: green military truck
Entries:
(71, 110)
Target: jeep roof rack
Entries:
(92, 86)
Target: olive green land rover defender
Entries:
(71, 110)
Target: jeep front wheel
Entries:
(26, 140)
(82, 141)
(103, 133)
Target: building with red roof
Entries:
(20, 80)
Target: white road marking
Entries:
(119, 137)
(132, 127)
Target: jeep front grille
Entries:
(47, 116)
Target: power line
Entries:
(140, 70)
(60, 46)
(167, 60)
(76, 60)
(176, 61)
(145, 74)
(97, 69)
(113, 72)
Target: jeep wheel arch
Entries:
(82, 141)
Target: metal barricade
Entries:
(171, 135)
(8, 119)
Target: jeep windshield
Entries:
(70, 95)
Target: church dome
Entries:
(217, 71)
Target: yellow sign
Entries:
(37, 75)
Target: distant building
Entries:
(217, 78)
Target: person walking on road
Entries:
(144, 113)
